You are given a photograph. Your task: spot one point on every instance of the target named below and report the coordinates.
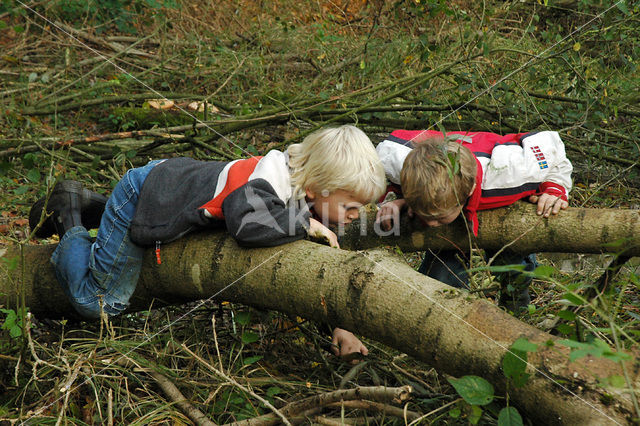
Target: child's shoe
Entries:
(70, 203)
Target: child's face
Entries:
(337, 208)
(444, 218)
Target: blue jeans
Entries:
(450, 267)
(103, 275)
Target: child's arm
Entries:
(389, 213)
(548, 204)
(346, 344)
(554, 191)
(540, 160)
(256, 217)
(319, 231)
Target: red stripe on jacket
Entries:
(238, 175)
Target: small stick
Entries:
(380, 407)
(181, 402)
(376, 393)
(236, 384)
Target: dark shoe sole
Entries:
(91, 204)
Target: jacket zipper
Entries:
(158, 260)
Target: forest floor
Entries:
(89, 89)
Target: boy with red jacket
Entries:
(438, 177)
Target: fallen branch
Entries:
(374, 393)
(387, 409)
(278, 415)
(371, 293)
(174, 394)
(575, 230)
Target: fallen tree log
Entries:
(372, 293)
(575, 230)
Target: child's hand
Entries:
(548, 204)
(318, 231)
(389, 213)
(347, 346)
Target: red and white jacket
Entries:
(510, 167)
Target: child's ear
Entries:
(311, 194)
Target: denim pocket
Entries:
(99, 277)
(122, 288)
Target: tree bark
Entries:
(574, 230)
(371, 293)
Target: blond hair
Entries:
(437, 176)
(337, 158)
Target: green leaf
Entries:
(33, 175)
(509, 416)
(11, 265)
(10, 320)
(566, 315)
(455, 413)
(544, 271)
(18, 28)
(622, 5)
(21, 190)
(617, 381)
(571, 343)
(33, 77)
(572, 298)
(249, 337)
(514, 365)
(273, 391)
(476, 415)
(252, 359)
(242, 318)
(15, 331)
(473, 389)
(634, 279)
(577, 354)
(523, 344)
(565, 329)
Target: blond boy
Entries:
(262, 201)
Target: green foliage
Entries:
(597, 348)
(473, 389)
(514, 362)
(423, 8)
(13, 322)
(509, 416)
(121, 13)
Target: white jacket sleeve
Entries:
(541, 159)
(392, 156)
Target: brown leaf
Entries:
(161, 103)
(199, 106)
(21, 222)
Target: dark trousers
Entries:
(450, 267)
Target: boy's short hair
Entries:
(337, 158)
(437, 176)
